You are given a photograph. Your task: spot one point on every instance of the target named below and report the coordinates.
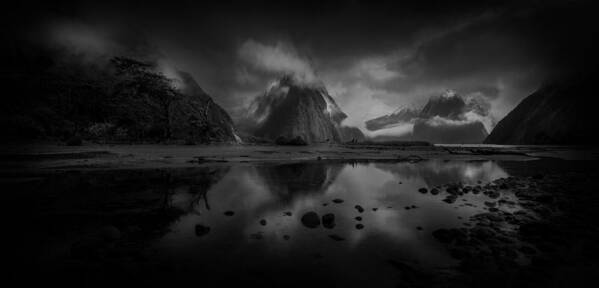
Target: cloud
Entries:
(359, 102)
(375, 69)
(278, 58)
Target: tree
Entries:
(141, 81)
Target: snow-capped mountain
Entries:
(401, 115)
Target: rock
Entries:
(450, 199)
(374, 209)
(263, 222)
(318, 158)
(337, 200)
(201, 230)
(286, 237)
(328, 221)
(359, 226)
(407, 207)
(287, 213)
(311, 220)
(449, 235)
(359, 208)
(358, 218)
(482, 233)
(257, 236)
(422, 190)
(435, 191)
(419, 228)
(490, 204)
(229, 213)
(336, 237)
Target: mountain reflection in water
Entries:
(265, 234)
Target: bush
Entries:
(100, 130)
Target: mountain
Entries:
(400, 116)
(557, 113)
(443, 119)
(289, 109)
(447, 105)
(109, 99)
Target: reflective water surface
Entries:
(248, 224)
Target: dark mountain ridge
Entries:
(108, 99)
(557, 113)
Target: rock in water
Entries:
(311, 220)
(336, 237)
(201, 230)
(328, 221)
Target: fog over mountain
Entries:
(446, 118)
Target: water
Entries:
(284, 248)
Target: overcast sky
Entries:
(371, 57)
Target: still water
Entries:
(247, 228)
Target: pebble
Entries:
(201, 230)
(328, 221)
(311, 220)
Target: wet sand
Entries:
(296, 216)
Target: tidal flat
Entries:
(328, 215)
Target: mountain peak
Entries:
(449, 105)
(290, 109)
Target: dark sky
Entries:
(372, 56)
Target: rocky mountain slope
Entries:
(557, 113)
(113, 99)
(288, 110)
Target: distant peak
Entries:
(448, 94)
